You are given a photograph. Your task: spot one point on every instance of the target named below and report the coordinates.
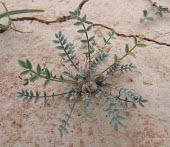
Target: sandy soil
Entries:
(30, 125)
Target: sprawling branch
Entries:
(119, 60)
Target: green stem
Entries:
(89, 57)
(154, 4)
(124, 100)
(54, 79)
(70, 112)
(48, 95)
(119, 70)
(107, 40)
(119, 60)
(68, 55)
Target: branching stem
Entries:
(47, 95)
(117, 70)
(54, 79)
(68, 55)
(72, 108)
(124, 100)
(119, 60)
(154, 4)
(107, 40)
(89, 57)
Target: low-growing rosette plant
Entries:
(88, 81)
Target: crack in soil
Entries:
(59, 19)
(65, 18)
(132, 35)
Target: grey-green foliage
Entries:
(123, 68)
(146, 17)
(111, 36)
(67, 48)
(30, 95)
(88, 81)
(98, 60)
(33, 75)
(160, 10)
(87, 100)
(113, 105)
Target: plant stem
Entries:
(124, 100)
(154, 4)
(68, 56)
(54, 79)
(48, 95)
(119, 60)
(127, 53)
(107, 40)
(89, 58)
(118, 70)
(72, 108)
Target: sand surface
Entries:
(35, 125)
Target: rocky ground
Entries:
(29, 125)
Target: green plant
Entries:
(88, 82)
(10, 23)
(159, 11)
(146, 17)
